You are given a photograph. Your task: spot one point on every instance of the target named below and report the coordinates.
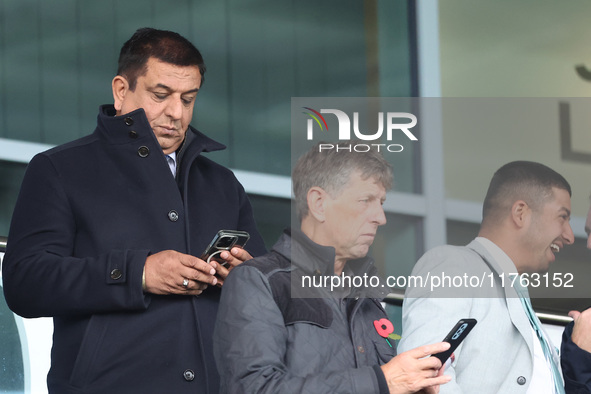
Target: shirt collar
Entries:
(498, 254)
(172, 162)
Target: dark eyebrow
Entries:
(167, 88)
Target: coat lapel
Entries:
(514, 306)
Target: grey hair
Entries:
(331, 170)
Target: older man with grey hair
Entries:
(300, 319)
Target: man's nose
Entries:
(174, 108)
(569, 236)
(380, 216)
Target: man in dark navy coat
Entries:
(106, 229)
(575, 354)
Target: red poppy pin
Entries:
(385, 329)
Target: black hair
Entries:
(164, 45)
(521, 180)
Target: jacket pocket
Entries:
(88, 353)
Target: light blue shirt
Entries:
(171, 160)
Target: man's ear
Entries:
(520, 213)
(316, 198)
(120, 88)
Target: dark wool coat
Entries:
(576, 365)
(88, 214)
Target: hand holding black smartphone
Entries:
(224, 240)
(455, 337)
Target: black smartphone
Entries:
(224, 240)
(455, 337)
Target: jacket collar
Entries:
(485, 255)
(124, 129)
(134, 126)
(196, 142)
(315, 259)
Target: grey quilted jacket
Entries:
(316, 341)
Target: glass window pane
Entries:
(397, 246)
(259, 54)
(12, 378)
(272, 216)
(11, 176)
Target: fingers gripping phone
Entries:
(224, 240)
(457, 334)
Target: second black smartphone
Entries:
(455, 337)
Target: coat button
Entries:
(143, 151)
(173, 216)
(361, 349)
(116, 274)
(521, 380)
(132, 134)
(189, 375)
(128, 121)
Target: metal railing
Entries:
(396, 299)
(546, 318)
